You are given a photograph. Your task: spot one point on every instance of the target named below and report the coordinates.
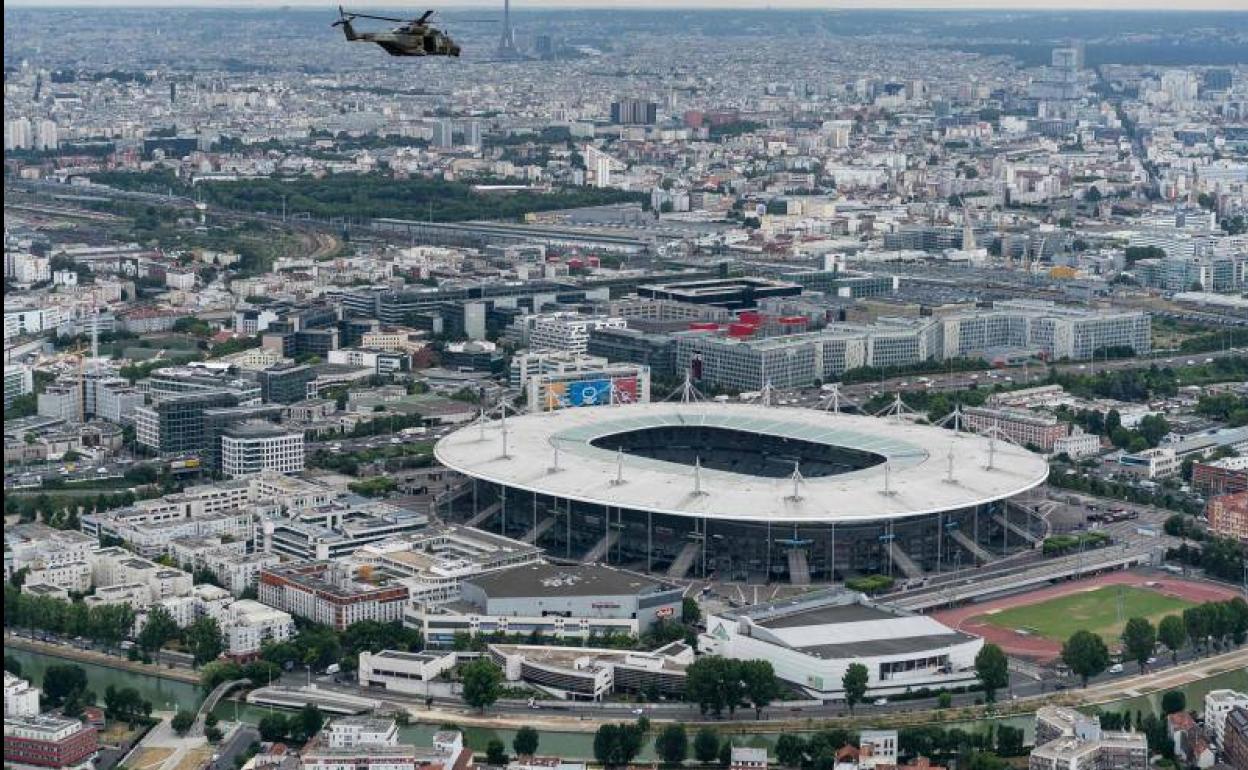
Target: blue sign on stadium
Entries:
(589, 392)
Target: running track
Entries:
(970, 617)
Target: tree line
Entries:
(1205, 626)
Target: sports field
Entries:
(1104, 610)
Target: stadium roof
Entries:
(918, 463)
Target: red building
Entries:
(1228, 516)
(48, 741)
(1221, 477)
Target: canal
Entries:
(169, 695)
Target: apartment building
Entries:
(329, 593)
(1019, 426)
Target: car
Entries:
(639, 712)
(881, 701)
(1150, 661)
(1116, 668)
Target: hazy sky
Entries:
(1129, 5)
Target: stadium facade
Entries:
(744, 492)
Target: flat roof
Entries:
(918, 461)
(552, 580)
(821, 615)
(878, 647)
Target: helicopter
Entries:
(413, 37)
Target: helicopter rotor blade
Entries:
(378, 18)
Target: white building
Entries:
(812, 641)
(249, 624)
(20, 699)
(18, 381)
(409, 672)
(568, 331)
(1078, 444)
(257, 446)
(877, 748)
(1219, 703)
(1156, 463)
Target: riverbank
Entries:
(1124, 688)
(100, 659)
(1103, 694)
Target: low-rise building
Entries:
(253, 447)
(406, 672)
(1069, 740)
(557, 601)
(1077, 444)
(1156, 463)
(49, 741)
(590, 673)
(1019, 426)
(368, 743)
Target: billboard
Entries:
(589, 393)
(625, 390)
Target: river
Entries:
(168, 695)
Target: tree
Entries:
(690, 612)
(761, 687)
(672, 744)
(62, 682)
(704, 683)
(273, 727)
(1173, 701)
(482, 683)
(182, 721)
(706, 746)
(1172, 633)
(790, 750)
(525, 742)
(1086, 655)
(203, 637)
(495, 753)
(616, 745)
(307, 722)
(993, 670)
(944, 700)
(1196, 623)
(159, 629)
(855, 684)
(1139, 637)
(12, 665)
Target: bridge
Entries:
(211, 702)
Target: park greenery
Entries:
(992, 668)
(482, 683)
(716, 683)
(106, 624)
(1220, 557)
(617, 745)
(371, 196)
(1057, 545)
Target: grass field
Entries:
(1095, 611)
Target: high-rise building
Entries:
(444, 134)
(46, 136)
(472, 134)
(17, 134)
(634, 111)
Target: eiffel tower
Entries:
(507, 49)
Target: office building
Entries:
(1218, 707)
(285, 384)
(49, 741)
(728, 293)
(175, 423)
(405, 672)
(370, 743)
(567, 332)
(590, 673)
(607, 385)
(18, 381)
(634, 112)
(256, 446)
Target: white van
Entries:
(1116, 668)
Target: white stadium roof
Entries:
(917, 458)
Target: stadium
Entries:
(740, 492)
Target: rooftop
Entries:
(916, 458)
(551, 580)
